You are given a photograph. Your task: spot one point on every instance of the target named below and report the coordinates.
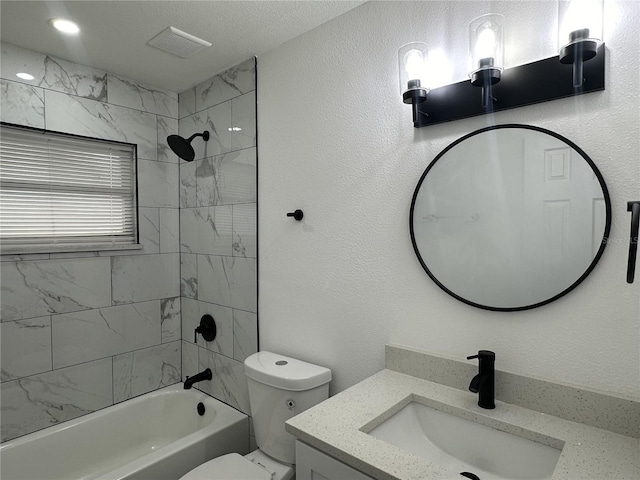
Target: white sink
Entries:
(459, 445)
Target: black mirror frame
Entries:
(605, 237)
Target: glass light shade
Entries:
(412, 67)
(486, 43)
(579, 20)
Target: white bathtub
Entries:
(156, 436)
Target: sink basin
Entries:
(459, 445)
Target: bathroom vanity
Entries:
(377, 428)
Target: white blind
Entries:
(58, 189)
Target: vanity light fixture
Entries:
(412, 71)
(579, 34)
(504, 88)
(486, 53)
(65, 26)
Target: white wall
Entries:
(337, 142)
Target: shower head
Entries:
(182, 147)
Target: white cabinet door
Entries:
(312, 464)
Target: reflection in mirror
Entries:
(510, 217)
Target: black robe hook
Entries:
(297, 215)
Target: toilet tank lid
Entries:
(285, 372)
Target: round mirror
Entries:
(510, 217)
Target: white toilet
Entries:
(279, 388)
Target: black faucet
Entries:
(206, 375)
(483, 382)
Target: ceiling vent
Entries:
(178, 43)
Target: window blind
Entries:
(57, 189)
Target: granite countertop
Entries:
(337, 425)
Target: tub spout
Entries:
(206, 375)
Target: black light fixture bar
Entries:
(536, 82)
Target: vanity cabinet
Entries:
(312, 464)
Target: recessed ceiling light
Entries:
(25, 76)
(65, 26)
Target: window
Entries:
(65, 193)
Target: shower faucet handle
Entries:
(207, 329)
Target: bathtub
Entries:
(156, 436)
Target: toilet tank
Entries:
(280, 388)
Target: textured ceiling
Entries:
(114, 34)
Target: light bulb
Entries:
(579, 20)
(486, 37)
(414, 64)
(486, 42)
(412, 68)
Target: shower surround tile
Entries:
(25, 348)
(166, 126)
(187, 103)
(169, 230)
(170, 318)
(142, 371)
(34, 289)
(39, 401)
(58, 256)
(216, 120)
(193, 310)
(245, 334)
(188, 185)
(227, 179)
(225, 86)
(149, 229)
(206, 230)
(228, 281)
(206, 182)
(127, 93)
(158, 184)
(243, 120)
(21, 104)
(84, 336)
(25, 257)
(54, 73)
(245, 231)
(229, 382)
(138, 278)
(188, 275)
(66, 113)
(189, 359)
(67, 301)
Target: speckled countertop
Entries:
(337, 427)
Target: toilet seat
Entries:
(232, 466)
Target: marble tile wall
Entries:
(218, 230)
(81, 331)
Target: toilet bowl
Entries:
(279, 388)
(233, 466)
